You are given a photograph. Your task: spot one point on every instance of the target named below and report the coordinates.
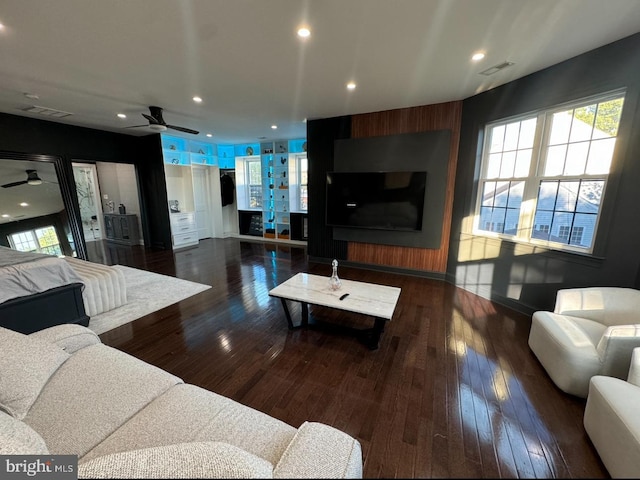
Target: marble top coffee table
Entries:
(378, 301)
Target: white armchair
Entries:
(612, 421)
(592, 331)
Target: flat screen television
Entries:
(376, 200)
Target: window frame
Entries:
(539, 156)
(248, 163)
(299, 159)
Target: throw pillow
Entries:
(25, 367)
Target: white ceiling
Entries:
(42, 199)
(97, 58)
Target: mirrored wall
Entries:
(37, 210)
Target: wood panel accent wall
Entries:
(442, 116)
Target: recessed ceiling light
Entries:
(24, 204)
(4, 215)
(197, 99)
(274, 127)
(32, 96)
(477, 56)
(1, 26)
(304, 32)
(351, 86)
(122, 115)
(209, 135)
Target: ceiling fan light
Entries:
(34, 181)
(157, 127)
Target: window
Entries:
(547, 172)
(40, 240)
(254, 183)
(303, 175)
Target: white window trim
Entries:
(532, 182)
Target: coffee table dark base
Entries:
(368, 336)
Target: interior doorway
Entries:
(202, 200)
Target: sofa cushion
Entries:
(97, 390)
(18, 438)
(187, 413)
(26, 364)
(68, 336)
(320, 451)
(184, 460)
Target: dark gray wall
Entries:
(528, 278)
(424, 151)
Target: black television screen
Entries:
(377, 200)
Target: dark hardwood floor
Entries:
(453, 390)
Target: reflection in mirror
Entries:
(33, 217)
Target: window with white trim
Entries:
(303, 175)
(40, 240)
(253, 170)
(544, 175)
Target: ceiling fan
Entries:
(157, 123)
(32, 179)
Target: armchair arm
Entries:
(607, 305)
(634, 369)
(615, 349)
(69, 337)
(320, 451)
(182, 460)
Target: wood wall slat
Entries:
(442, 116)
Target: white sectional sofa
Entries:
(63, 392)
(612, 420)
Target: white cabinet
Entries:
(184, 231)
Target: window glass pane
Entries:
(511, 136)
(567, 196)
(493, 167)
(516, 190)
(600, 155)
(485, 218)
(608, 118)
(584, 226)
(527, 133)
(501, 194)
(542, 225)
(547, 196)
(554, 166)
(576, 158)
(582, 124)
(511, 223)
(508, 164)
(523, 163)
(560, 126)
(590, 196)
(497, 138)
(561, 227)
(488, 193)
(498, 219)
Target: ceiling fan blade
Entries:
(14, 184)
(152, 120)
(183, 129)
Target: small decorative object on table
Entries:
(334, 281)
(174, 206)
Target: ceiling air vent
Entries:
(47, 112)
(496, 68)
